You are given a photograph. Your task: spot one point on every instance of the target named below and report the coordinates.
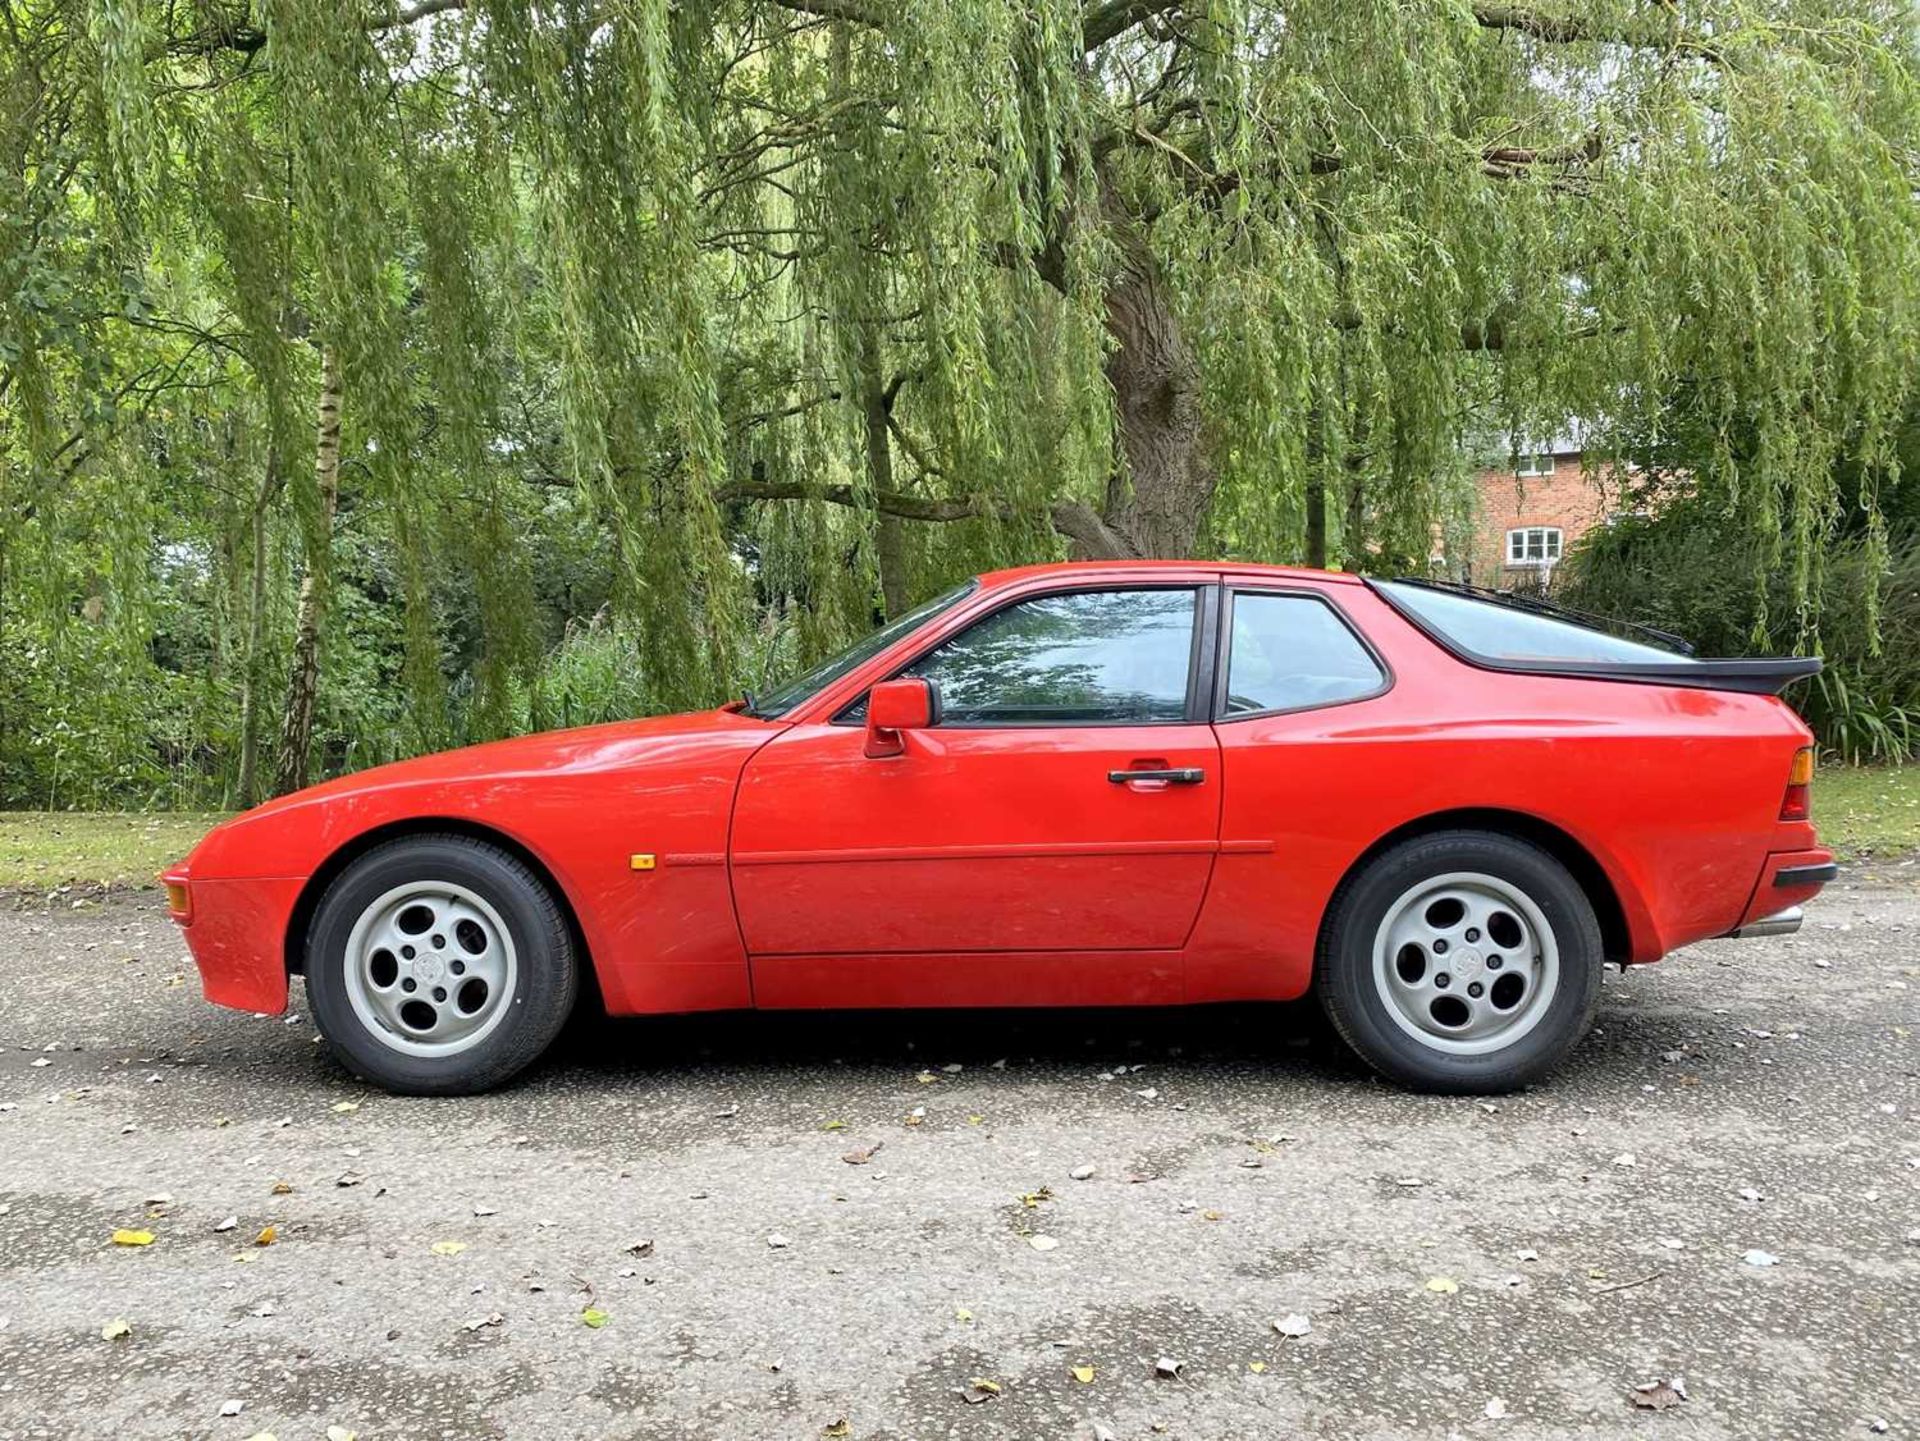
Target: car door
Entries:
(1020, 824)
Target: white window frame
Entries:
(1552, 543)
(1534, 464)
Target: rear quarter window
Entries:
(1489, 630)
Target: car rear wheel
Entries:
(439, 965)
(1464, 962)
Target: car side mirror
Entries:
(894, 706)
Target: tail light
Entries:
(1797, 804)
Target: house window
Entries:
(1533, 545)
(1536, 463)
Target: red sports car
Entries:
(1126, 784)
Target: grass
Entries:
(1868, 810)
(41, 850)
(1860, 810)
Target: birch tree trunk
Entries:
(296, 728)
(250, 677)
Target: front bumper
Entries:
(236, 930)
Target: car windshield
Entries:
(1496, 627)
(777, 702)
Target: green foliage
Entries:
(1688, 570)
(680, 340)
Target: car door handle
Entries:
(1175, 775)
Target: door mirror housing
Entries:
(894, 706)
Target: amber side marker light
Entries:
(1797, 804)
(177, 901)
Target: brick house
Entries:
(1528, 515)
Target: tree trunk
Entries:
(296, 729)
(1156, 506)
(891, 537)
(256, 632)
(1317, 523)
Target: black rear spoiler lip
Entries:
(1752, 675)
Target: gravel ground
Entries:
(1467, 1269)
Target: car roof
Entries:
(995, 579)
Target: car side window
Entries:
(1094, 657)
(1289, 652)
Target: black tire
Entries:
(545, 984)
(1345, 973)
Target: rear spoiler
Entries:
(1755, 675)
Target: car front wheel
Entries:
(1464, 962)
(439, 965)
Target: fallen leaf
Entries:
(1036, 1198)
(837, 1429)
(863, 1154)
(348, 1178)
(778, 1241)
(345, 1108)
(341, 1433)
(1259, 1368)
(1660, 1394)
(835, 1126)
(226, 1223)
(448, 1248)
(641, 1248)
(980, 1389)
(1294, 1325)
(133, 1238)
(593, 1318)
(1083, 1374)
(926, 1078)
(115, 1330)
(492, 1318)
(268, 1235)
(283, 1188)
(1445, 1285)
(961, 1313)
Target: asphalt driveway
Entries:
(807, 1226)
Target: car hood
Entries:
(675, 744)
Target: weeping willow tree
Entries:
(792, 310)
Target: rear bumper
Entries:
(1787, 882)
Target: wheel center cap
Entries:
(1468, 963)
(429, 968)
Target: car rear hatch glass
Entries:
(1498, 631)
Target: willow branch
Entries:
(1116, 17)
(1075, 520)
(1570, 30)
